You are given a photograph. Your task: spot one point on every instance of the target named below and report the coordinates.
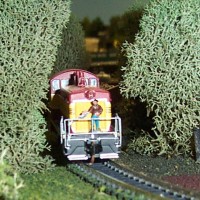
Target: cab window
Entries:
(55, 85)
(93, 82)
(64, 83)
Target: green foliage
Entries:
(27, 143)
(71, 53)
(92, 28)
(58, 184)
(163, 69)
(126, 26)
(138, 5)
(86, 26)
(30, 34)
(10, 183)
(143, 140)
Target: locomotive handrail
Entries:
(117, 119)
(62, 130)
(65, 127)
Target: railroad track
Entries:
(125, 184)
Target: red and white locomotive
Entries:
(72, 92)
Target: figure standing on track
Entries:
(96, 111)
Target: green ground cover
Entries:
(58, 184)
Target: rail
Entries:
(124, 184)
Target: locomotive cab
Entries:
(72, 92)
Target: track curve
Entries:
(115, 177)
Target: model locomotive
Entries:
(71, 94)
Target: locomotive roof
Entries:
(71, 71)
(77, 83)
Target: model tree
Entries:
(71, 52)
(163, 70)
(30, 34)
(10, 182)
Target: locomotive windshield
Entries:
(64, 83)
(93, 82)
(56, 85)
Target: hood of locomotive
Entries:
(72, 101)
(76, 93)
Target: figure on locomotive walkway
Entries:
(96, 111)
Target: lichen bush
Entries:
(30, 34)
(163, 70)
(71, 52)
(10, 182)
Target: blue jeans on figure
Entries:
(95, 120)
